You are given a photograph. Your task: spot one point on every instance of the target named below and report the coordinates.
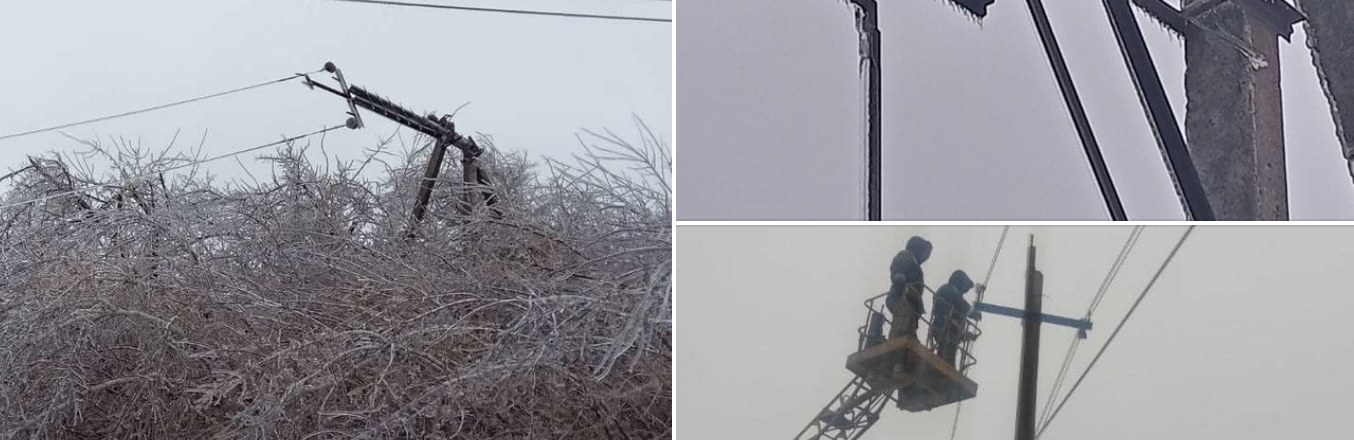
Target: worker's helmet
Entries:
(919, 248)
(961, 282)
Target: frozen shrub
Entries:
(297, 306)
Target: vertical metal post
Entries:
(1158, 108)
(1075, 109)
(874, 136)
(1027, 398)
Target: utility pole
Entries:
(1234, 116)
(1027, 398)
(441, 129)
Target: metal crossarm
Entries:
(1079, 324)
(394, 112)
(442, 130)
(848, 415)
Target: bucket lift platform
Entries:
(908, 370)
(901, 369)
(904, 363)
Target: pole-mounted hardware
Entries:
(441, 129)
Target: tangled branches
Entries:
(298, 307)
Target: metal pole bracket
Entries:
(355, 122)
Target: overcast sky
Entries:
(973, 124)
(531, 82)
(1243, 337)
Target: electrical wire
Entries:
(993, 264)
(1117, 328)
(1110, 275)
(159, 172)
(512, 11)
(1129, 243)
(158, 107)
(1001, 242)
(1062, 376)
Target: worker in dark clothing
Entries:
(904, 299)
(949, 316)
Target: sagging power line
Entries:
(513, 11)
(441, 129)
(156, 107)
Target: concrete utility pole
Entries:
(1330, 35)
(1234, 117)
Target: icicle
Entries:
(973, 11)
(863, 35)
(863, 48)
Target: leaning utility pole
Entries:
(441, 129)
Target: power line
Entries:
(1110, 275)
(1128, 315)
(1114, 269)
(158, 172)
(512, 11)
(954, 426)
(1062, 375)
(158, 107)
(993, 263)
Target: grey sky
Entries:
(1241, 338)
(532, 82)
(974, 127)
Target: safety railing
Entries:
(878, 319)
